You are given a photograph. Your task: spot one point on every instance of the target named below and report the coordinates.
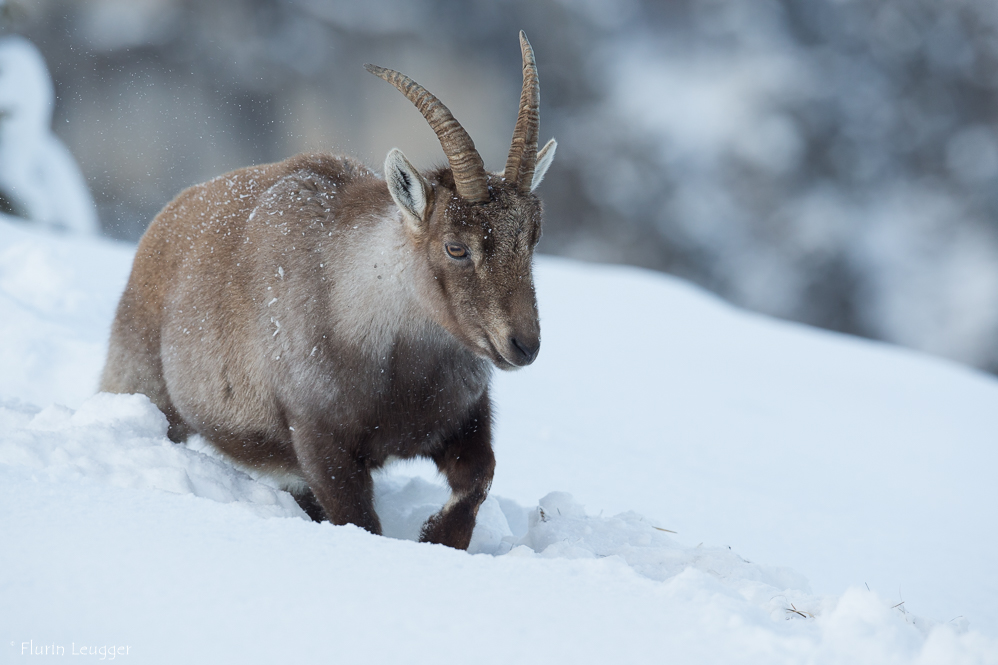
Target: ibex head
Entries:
(476, 229)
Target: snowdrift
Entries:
(769, 448)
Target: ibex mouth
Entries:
(488, 349)
(519, 354)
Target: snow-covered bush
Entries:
(39, 179)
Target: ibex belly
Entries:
(401, 404)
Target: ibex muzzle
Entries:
(312, 320)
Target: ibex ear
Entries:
(544, 159)
(408, 188)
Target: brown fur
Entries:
(303, 324)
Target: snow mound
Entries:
(559, 528)
(120, 440)
(55, 312)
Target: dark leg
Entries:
(307, 502)
(339, 478)
(178, 430)
(467, 461)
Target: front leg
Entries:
(338, 476)
(467, 461)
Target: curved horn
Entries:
(465, 162)
(523, 150)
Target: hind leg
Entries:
(307, 502)
(134, 366)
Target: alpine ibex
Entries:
(312, 320)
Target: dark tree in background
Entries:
(828, 161)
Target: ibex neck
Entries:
(381, 286)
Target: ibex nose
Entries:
(526, 349)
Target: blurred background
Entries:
(833, 162)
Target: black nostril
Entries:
(527, 351)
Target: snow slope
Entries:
(850, 462)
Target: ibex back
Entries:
(312, 320)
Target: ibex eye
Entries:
(456, 251)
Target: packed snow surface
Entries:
(774, 451)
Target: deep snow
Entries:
(850, 462)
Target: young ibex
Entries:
(313, 321)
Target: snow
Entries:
(58, 308)
(38, 175)
(853, 462)
(652, 407)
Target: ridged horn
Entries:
(465, 162)
(523, 150)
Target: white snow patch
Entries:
(120, 440)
